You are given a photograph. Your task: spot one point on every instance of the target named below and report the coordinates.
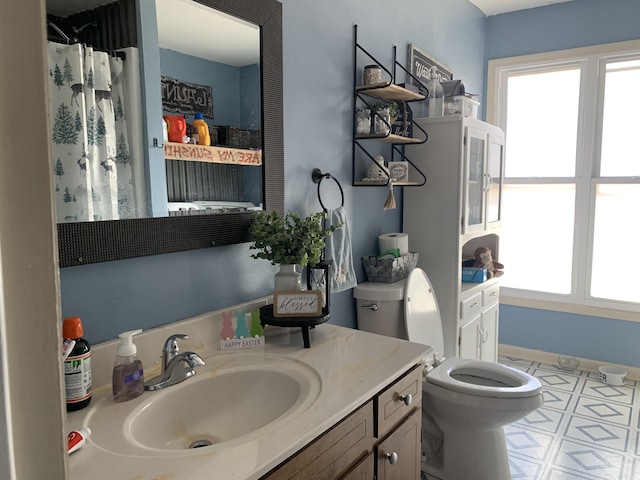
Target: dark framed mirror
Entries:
(84, 243)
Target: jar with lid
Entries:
(371, 74)
(363, 121)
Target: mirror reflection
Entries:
(101, 160)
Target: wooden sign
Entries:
(307, 303)
(202, 153)
(420, 63)
(186, 98)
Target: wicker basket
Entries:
(389, 270)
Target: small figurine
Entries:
(484, 259)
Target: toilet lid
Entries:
(421, 312)
(485, 379)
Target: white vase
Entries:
(288, 278)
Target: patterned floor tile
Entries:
(589, 461)
(556, 399)
(598, 433)
(523, 469)
(622, 394)
(599, 409)
(558, 474)
(543, 419)
(527, 443)
(516, 361)
(556, 379)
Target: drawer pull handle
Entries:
(392, 457)
(407, 399)
(371, 306)
(493, 294)
(474, 305)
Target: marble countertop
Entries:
(352, 366)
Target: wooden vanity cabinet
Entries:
(380, 439)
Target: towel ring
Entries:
(317, 176)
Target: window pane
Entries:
(542, 124)
(620, 155)
(615, 243)
(536, 243)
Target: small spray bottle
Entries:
(128, 375)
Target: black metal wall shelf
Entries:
(387, 91)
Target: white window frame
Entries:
(593, 61)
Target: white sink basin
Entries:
(224, 404)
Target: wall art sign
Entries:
(399, 171)
(420, 64)
(306, 303)
(186, 98)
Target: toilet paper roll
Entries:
(387, 241)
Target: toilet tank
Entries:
(380, 308)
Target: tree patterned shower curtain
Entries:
(91, 154)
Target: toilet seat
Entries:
(484, 379)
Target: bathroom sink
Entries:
(236, 401)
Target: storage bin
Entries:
(461, 105)
(236, 137)
(389, 270)
(474, 274)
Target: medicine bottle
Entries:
(77, 366)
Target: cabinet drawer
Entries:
(390, 405)
(491, 294)
(470, 307)
(330, 455)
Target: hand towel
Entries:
(338, 249)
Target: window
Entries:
(570, 230)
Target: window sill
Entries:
(570, 308)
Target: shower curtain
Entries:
(92, 157)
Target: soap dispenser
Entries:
(436, 94)
(128, 375)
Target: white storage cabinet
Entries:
(458, 210)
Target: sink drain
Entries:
(200, 443)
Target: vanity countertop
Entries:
(352, 365)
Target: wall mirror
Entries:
(84, 242)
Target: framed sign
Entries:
(307, 303)
(186, 98)
(420, 63)
(403, 125)
(399, 171)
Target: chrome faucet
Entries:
(176, 367)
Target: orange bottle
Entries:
(177, 128)
(203, 130)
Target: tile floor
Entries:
(585, 430)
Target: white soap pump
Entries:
(436, 94)
(128, 374)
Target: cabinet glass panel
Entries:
(494, 171)
(475, 181)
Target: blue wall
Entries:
(566, 25)
(318, 62)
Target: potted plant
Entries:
(289, 241)
(385, 112)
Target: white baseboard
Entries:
(633, 373)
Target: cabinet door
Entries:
(475, 183)
(495, 177)
(398, 456)
(489, 334)
(363, 470)
(469, 339)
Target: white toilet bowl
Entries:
(470, 401)
(465, 402)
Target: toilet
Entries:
(465, 402)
